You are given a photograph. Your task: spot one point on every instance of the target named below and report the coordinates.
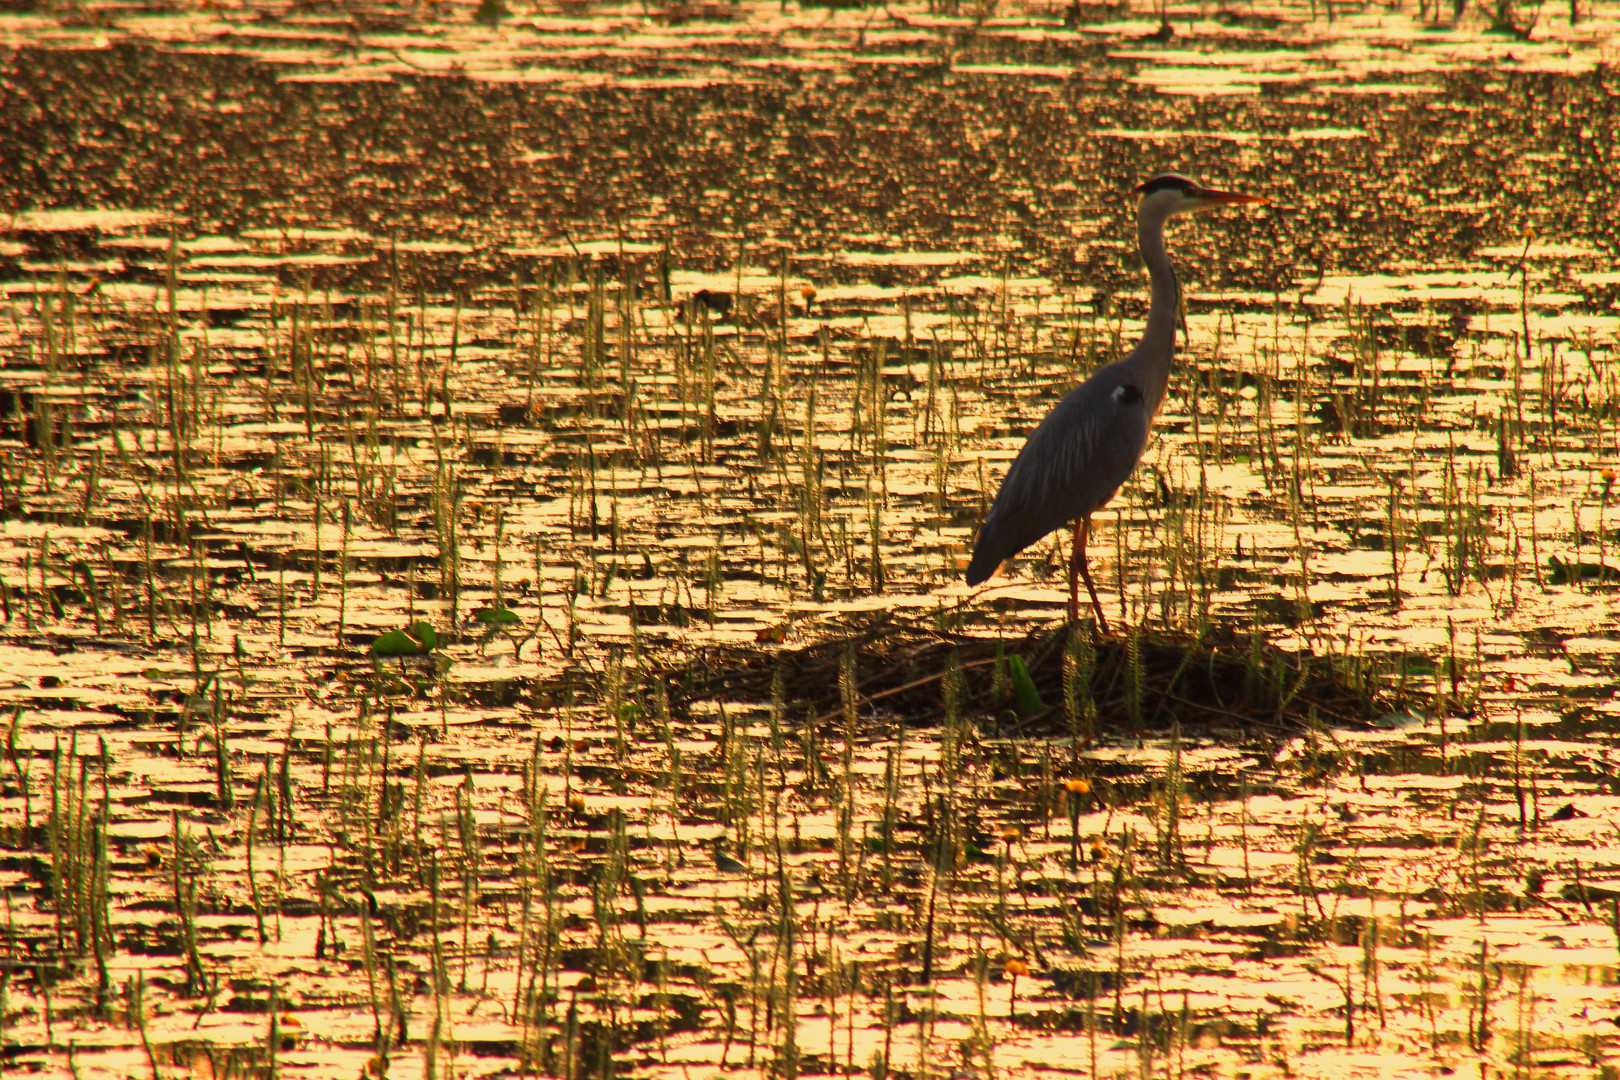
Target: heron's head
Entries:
(1172, 193)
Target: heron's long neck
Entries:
(1154, 355)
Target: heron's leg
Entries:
(1078, 569)
(1076, 557)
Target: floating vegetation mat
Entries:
(1054, 681)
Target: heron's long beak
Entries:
(1213, 197)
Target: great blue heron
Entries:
(1080, 455)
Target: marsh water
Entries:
(374, 477)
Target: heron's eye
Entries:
(1125, 394)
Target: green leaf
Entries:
(1025, 695)
(395, 643)
(496, 616)
(419, 637)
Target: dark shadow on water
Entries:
(1057, 681)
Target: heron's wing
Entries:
(1072, 464)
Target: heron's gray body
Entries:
(1073, 463)
(1085, 449)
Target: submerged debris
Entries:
(1063, 680)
